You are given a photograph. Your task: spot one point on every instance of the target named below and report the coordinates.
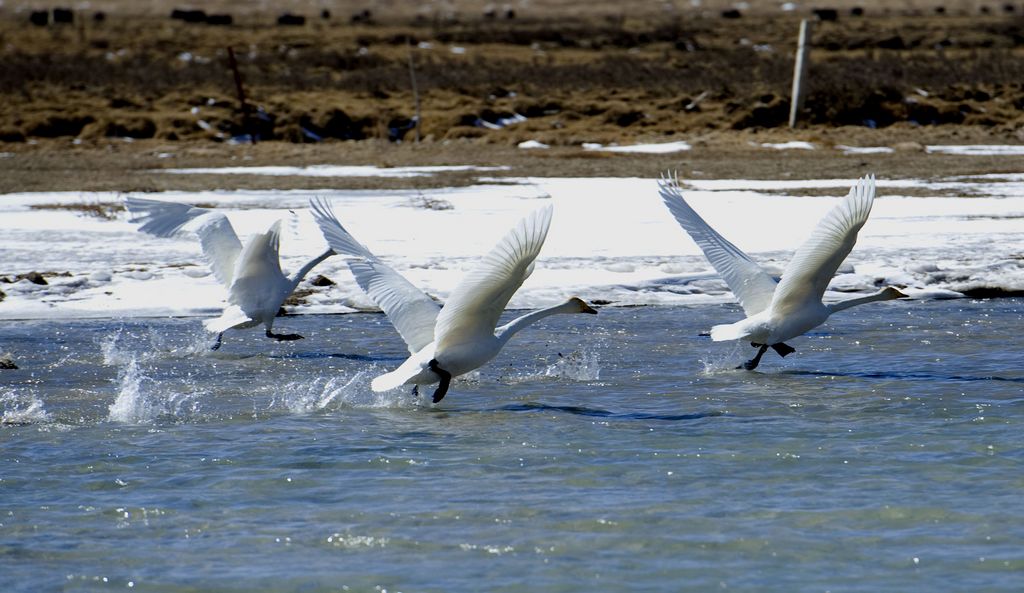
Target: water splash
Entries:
(22, 409)
(335, 392)
(724, 361)
(141, 401)
(131, 406)
(579, 365)
(154, 345)
(113, 353)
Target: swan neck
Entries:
(505, 332)
(301, 273)
(881, 295)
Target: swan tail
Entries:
(232, 316)
(389, 381)
(728, 331)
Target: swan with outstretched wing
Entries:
(445, 342)
(777, 312)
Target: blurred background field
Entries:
(493, 75)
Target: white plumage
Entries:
(449, 341)
(780, 311)
(251, 272)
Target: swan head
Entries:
(580, 306)
(891, 292)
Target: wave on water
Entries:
(21, 409)
(599, 413)
(906, 375)
(141, 400)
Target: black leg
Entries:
(753, 362)
(416, 390)
(283, 337)
(446, 379)
(783, 349)
(217, 342)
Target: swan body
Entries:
(461, 336)
(251, 272)
(777, 312)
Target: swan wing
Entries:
(816, 261)
(218, 239)
(412, 312)
(221, 246)
(337, 237)
(752, 286)
(160, 218)
(476, 303)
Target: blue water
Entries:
(886, 454)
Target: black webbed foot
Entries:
(783, 349)
(446, 379)
(753, 362)
(283, 337)
(416, 390)
(216, 343)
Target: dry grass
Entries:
(598, 77)
(104, 210)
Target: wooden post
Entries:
(415, 89)
(241, 94)
(800, 71)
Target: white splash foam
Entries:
(722, 361)
(141, 401)
(22, 408)
(131, 406)
(351, 541)
(301, 397)
(577, 366)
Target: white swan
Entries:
(251, 272)
(449, 341)
(780, 311)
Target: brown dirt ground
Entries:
(70, 95)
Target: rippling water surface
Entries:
(614, 453)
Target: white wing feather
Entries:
(752, 286)
(163, 219)
(477, 302)
(159, 218)
(337, 237)
(412, 312)
(807, 275)
(221, 246)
